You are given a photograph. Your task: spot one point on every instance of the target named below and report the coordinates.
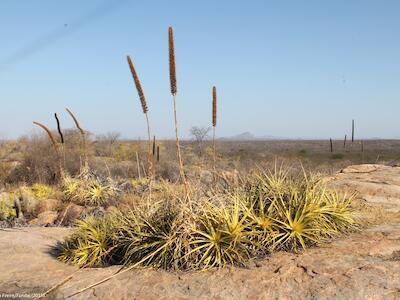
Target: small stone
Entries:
(70, 213)
(47, 204)
(45, 218)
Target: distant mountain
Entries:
(245, 136)
(248, 136)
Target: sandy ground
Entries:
(363, 265)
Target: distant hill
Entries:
(248, 136)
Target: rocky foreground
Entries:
(363, 265)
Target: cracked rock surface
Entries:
(362, 265)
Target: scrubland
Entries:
(179, 204)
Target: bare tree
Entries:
(199, 134)
(108, 141)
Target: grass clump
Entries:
(272, 210)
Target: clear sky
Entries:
(297, 69)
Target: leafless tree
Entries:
(108, 141)
(199, 134)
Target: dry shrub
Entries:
(5, 171)
(168, 170)
(39, 162)
(105, 144)
(126, 152)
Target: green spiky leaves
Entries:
(88, 190)
(271, 211)
(91, 244)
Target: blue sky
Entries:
(297, 69)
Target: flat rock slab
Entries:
(363, 265)
(375, 184)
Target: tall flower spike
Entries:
(138, 85)
(214, 107)
(172, 71)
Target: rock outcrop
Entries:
(377, 185)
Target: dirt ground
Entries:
(362, 265)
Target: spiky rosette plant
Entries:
(299, 211)
(41, 191)
(89, 189)
(273, 210)
(92, 243)
(156, 235)
(223, 235)
(97, 193)
(70, 187)
(148, 241)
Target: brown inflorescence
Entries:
(214, 107)
(172, 71)
(138, 85)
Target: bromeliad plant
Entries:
(92, 243)
(223, 235)
(41, 191)
(272, 211)
(88, 189)
(152, 237)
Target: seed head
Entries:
(138, 85)
(172, 70)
